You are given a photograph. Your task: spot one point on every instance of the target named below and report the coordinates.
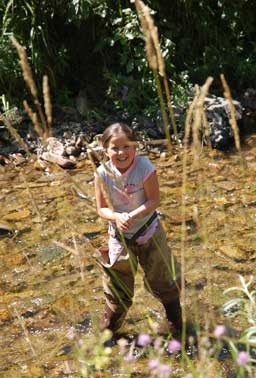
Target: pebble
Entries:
(163, 156)
(6, 229)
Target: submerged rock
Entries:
(57, 159)
(5, 315)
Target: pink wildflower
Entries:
(242, 358)
(129, 357)
(157, 343)
(143, 340)
(152, 364)
(164, 370)
(174, 346)
(219, 330)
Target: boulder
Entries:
(55, 146)
(218, 114)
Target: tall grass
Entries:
(92, 358)
(157, 64)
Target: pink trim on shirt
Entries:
(148, 175)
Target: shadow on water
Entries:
(51, 296)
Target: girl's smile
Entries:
(121, 151)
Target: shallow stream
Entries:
(51, 296)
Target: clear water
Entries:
(51, 296)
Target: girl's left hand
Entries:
(123, 221)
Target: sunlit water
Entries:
(51, 296)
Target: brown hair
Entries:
(115, 129)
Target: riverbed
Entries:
(51, 295)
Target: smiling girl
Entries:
(135, 232)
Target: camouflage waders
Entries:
(161, 279)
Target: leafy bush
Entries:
(131, 83)
(97, 46)
(9, 70)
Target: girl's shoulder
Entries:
(143, 161)
(101, 168)
(143, 167)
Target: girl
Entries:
(127, 195)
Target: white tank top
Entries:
(126, 191)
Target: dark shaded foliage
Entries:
(96, 47)
(212, 37)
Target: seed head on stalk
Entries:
(28, 77)
(157, 64)
(153, 51)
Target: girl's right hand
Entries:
(123, 221)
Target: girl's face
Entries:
(121, 151)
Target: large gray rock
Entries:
(218, 116)
(217, 113)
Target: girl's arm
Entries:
(122, 220)
(151, 188)
(102, 208)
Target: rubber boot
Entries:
(111, 319)
(173, 314)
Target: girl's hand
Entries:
(123, 221)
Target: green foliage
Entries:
(244, 304)
(28, 21)
(97, 46)
(130, 83)
(42, 27)
(211, 38)
(11, 113)
(9, 70)
(95, 358)
(131, 86)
